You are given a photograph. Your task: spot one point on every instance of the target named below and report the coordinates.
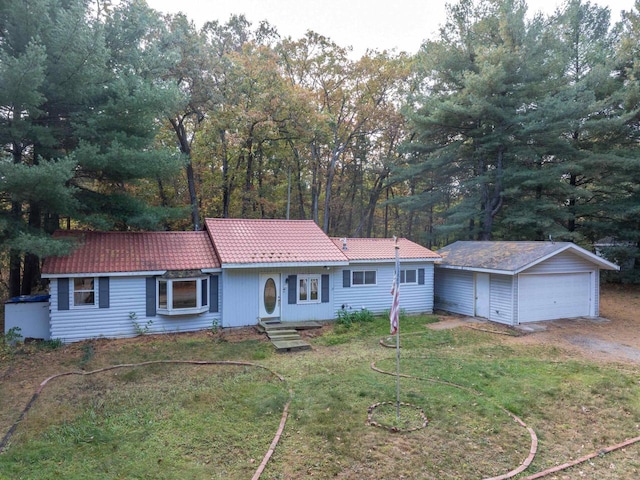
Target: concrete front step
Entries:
(265, 325)
(290, 345)
(285, 336)
(283, 331)
(273, 338)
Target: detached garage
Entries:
(519, 282)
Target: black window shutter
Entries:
(203, 292)
(103, 292)
(293, 292)
(421, 276)
(325, 289)
(151, 297)
(214, 306)
(346, 278)
(63, 294)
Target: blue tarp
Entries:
(29, 298)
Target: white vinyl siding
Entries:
(414, 298)
(127, 299)
(454, 291)
(564, 262)
(501, 299)
(565, 285)
(242, 296)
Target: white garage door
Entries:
(549, 297)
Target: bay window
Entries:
(182, 296)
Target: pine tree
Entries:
(479, 78)
(80, 100)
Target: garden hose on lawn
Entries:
(534, 439)
(265, 459)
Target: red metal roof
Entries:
(382, 249)
(239, 241)
(112, 252)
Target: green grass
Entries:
(182, 421)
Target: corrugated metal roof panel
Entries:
(241, 241)
(115, 252)
(382, 249)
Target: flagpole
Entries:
(397, 334)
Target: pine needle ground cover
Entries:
(214, 421)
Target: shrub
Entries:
(347, 318)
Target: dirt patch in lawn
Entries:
(614, 336)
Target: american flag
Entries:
(394, 314)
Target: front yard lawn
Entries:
(217, 421)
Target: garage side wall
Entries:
(454, 291)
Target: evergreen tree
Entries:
(478, 80)
(79, 103)
(619, 223)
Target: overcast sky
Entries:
(361, 24)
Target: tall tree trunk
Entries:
(15, 271)
(492, 198)
(260, 175)
(368, 216)
(15, 259)
(298, 179)
(315, 184)
(31, 271)
(248, 180)
(185, 147)
(193, 198)
(386, 213)
(226, 184)
(571, 224)
(331, 171)
(301, 212)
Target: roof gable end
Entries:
(510, 257)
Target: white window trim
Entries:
(199, 308)
(364, 272)
(308, 278)
(96, 300)
(405, 270)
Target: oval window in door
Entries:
(270, 296)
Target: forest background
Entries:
(503, 126)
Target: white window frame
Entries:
(364, 278)
(307, 278)
(94, 291)
(403, 276)
(202, 298)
